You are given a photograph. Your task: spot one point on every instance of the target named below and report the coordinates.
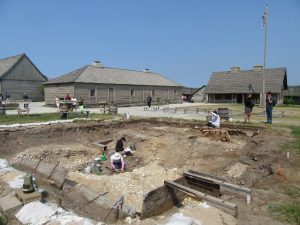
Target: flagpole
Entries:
(265, 23)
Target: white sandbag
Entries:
(5, 167)
(35, 213)
(68, 220)
(179, 219)
(17, 182)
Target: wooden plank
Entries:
(59, 176)
(228, 207)
(225, 187)
(28, 197)
(161, 199)
(206, 175)
(29, 164)
(45, 169)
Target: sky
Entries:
(186, 41)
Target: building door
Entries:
(239, 98)
(111, 95)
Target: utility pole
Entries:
(265, 26)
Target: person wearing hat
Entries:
(117, 162)
(215, 120)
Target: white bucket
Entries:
(87, 170)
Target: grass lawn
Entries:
(291, 113)
(34, 118)
(288, 212)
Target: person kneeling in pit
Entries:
(215, 120)
(120, 144)
(117, 162)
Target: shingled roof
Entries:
(247, 81)
(7, 64)
(107, 75)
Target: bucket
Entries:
(87, 170)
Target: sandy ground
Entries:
(164, 151)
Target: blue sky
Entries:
(183, 40)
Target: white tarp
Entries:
(17, 181)
(37, 213)
(5, 167)
(179, 219)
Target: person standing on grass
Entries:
(80, 104)
(7, 98)
(248, 108)
(57, 103)
(269, 107)
(149, 100)
(74, 103)
(25, 100)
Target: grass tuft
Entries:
(288, 212)
(293, 146)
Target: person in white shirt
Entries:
(117, 162)
(215, 120)
(74, 103)
(57, 103)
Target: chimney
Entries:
(97, 64)
(146, 71)
(235, 69)
(258, 68)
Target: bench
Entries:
(66, 114)
(224, 113)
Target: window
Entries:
(153, 92)
(92, 92)
(175, 92)
(132, 93)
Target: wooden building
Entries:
(96, 83)
(232, 86)
(18, 75)
(293, 93)
(199, 94)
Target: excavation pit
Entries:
(164, 150)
